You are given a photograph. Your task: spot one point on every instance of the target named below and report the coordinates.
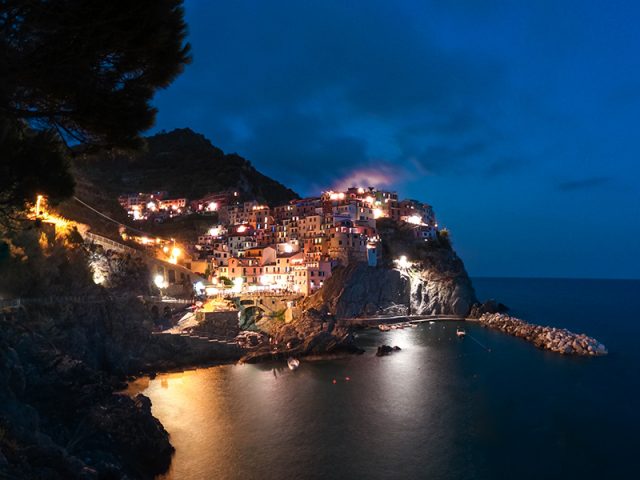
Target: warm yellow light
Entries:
(175, 252)
(403, 262)
(377, 213)
(38, 205)
(414, 219)
(159, 281)
(242, 229)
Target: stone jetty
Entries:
(558, 340)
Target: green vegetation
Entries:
(277, 315)
(185, 164)
(40, 265)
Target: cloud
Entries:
(584, 184)
(379, 176)
(284, 86)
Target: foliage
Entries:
(32, 163)
(78, 72)
(185, 164)
(277, 315)
(120, 271)
(41, 266)
(226, 280)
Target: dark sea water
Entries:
(443, 407)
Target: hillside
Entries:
(182, 162)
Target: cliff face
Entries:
(436, 281)
(356, 290)
(440, 285)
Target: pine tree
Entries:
(78, 72)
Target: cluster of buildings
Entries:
(296, 246)
(157, 206)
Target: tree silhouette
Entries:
(78, 72)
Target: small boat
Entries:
(293, 363)
(431, 322)
(413, 325)
(460, 332)
(384, 328)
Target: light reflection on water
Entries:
(442, 407)
(264, 421)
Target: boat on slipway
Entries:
(293, 363)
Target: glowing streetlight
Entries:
(38, 205)
(403, 262)
(159, 281)
(237, 284)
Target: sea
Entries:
(487, 406)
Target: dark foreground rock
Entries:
(60, 367)
(490, 306)
(547, 338)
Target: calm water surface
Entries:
(440, 408)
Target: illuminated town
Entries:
(291, 248)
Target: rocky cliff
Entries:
(432, 281)
(310, 333)
(60, 365)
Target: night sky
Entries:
(518, 121)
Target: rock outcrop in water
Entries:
(311, 333)
(558, 340)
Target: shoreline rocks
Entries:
(559, 340)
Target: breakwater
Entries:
(558, 340)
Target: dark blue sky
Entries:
(518, 121)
